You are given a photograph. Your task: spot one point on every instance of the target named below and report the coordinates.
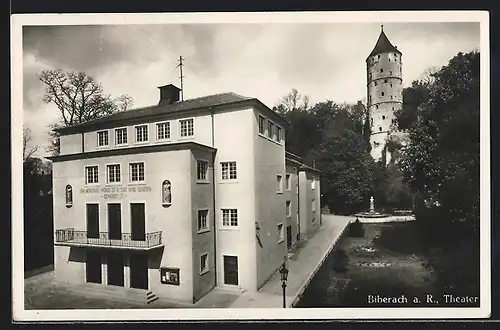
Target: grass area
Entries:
(387, 261)
(378, 268)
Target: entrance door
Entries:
(115, 221)
(92, 220)
(231, 270)
(138, 221)
(139, 271)
(93, 267)
(115, 268)
(289, 237)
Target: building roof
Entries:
(383, 45)
(174, 108)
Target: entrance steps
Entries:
(111, 292)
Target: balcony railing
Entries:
(69, 236)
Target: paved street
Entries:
(43, 292)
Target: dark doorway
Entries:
(115, 268)
(138, 221)
(92, 220)
(289, 237)
(115, 221)
(139, 271)
(231, 270)
(93, 267)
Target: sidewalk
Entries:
(303, 266)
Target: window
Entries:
(270, 129)
(376, 106)
(391, 85)
(391, 97)
(202, 220)
(375, 83)
(278, 134)
(383, 117)
(279, 181)
(392, 108)
(390, 72)
(201, 170)
(281, 233)
(378, 56)
(381, 70)
(288, 182)
(229, 217)
(121, 136)
(382, 93)
(91, 174)
(313, 205)
(163, 131)
(288, 209)
(262, 127)
(137, 172)
(228, 170)
(114, 174)
(313, 183)
(203, 263)
(187, 127)
(141, 133)
(102, 138)
(380, 129)
(385, 80)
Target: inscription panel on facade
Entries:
(117, 192)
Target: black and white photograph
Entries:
(301, 165)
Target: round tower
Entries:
(384, 92)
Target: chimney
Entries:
(168, 94)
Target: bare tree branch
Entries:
(79, 99)
(28, 151)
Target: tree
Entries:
(441, 161)
(344, 159)
(79, 99)
(292, 101)
(28, 150)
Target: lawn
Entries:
(374, 267)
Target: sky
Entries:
(325, 61)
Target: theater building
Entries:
(180, 197)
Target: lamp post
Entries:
(284, 278)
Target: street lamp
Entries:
(284, 278)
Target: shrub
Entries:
(356, 229)
(340, 260)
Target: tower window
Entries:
(381, 70)
(383, 117)
(385, 80)
(382, 93)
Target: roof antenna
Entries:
(382, 27)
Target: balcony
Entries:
(80, 238)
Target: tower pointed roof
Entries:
(383, 45)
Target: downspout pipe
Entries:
(213, 194)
